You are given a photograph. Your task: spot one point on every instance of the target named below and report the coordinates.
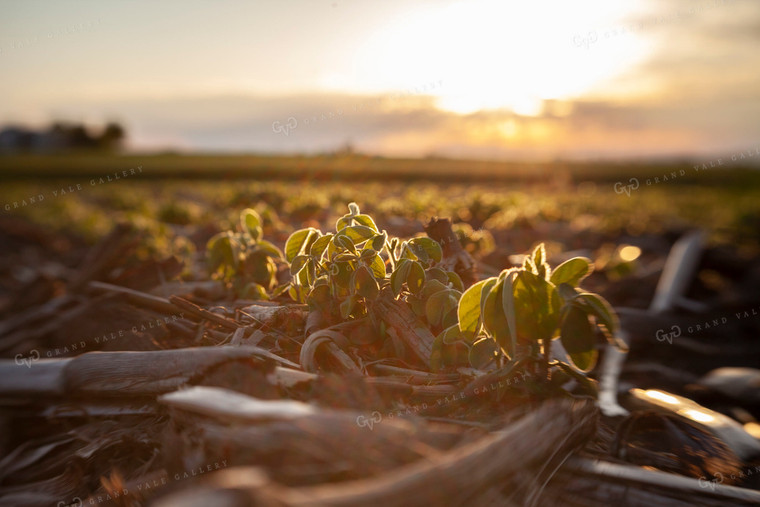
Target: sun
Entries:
(497, 54)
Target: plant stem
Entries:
(547, 346)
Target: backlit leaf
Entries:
(572, 271)
(269, 248)
(577, 336)
(437, 274)
(483, 352)
(439, 305)
(416, 278)
(455, 281)
(537, 306)
(297, 241)
(223, 250)
(399, 275)
(378, 267)
(254, 291)
(469, 307)
(425, 249)
(364, 282)
(298, 263)
(347, 306)
(495, 320)
(319, 245)
(379, 241)
(365, 220)
(431, 287)
(539, 261)
(250, 221)
(602, 310)
(358, 233)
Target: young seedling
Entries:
(344, 267)
(244, 259)
(518, 314)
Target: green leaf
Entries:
(399, 275)
(303, 277)
(499, 314)
(347, 306)
(425, 249)
(434, 309)
(366, 220)
(589, 384)
(539, 261)
(605, 317)
(367, 254)
(537, 305)
(364, 282)
(450, 318)
(539, 255)
(379, 241)
(260, 267)
(528, 265)
(344, 257)
(358, 233)
(495, 320)
(250, 221)
(311, 271)
(320, 245)
(280, 290)
(432, 287)
(343, 222)
(602, 310)
(353, 209)
(453, 334)
(469, 309)
(254, 291)
(584, 361)
(298, 263)
(416, 278)
(490, 283)
(455, 281)
(223, 250)
(567, 292)
(344, 242)
(439, 305)
(437, 274)
(572, 271)
(508, 306)
(268, 248)
(319, 297)
(297, 241)
(436, 355)
(577, 336)
(378, 267)
(483, 352)
(416, 304)
(342, 273)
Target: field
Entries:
(191, 312)
(87, 194)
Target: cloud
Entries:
(698, 93)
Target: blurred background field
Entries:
(499, 209)
(179, 190)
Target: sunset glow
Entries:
(483, 78)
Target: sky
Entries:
(492, 79)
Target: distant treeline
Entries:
(61, 136)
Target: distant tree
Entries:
(112, 136)
(80, 138)
(61, 136)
